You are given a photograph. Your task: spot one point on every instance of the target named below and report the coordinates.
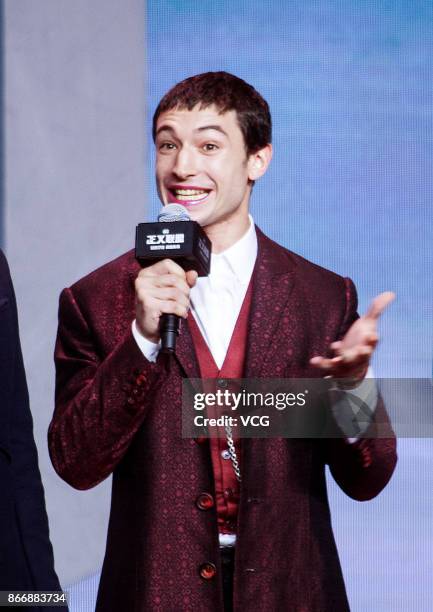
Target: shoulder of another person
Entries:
(5, 280)
(4, 267)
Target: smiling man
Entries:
(221, 524)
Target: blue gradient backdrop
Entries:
(350, 89)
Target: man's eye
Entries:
(167, 146)
(210, 146)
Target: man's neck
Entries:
(227, 233)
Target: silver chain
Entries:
(232, 452)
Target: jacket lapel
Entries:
(273, 283)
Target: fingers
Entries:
(170, 280)
(367, 339)
(379, 304)
(344, 363)
(191, 278)
(165, 266)
(168, 294)
(172, 307)
(168, 272)
(323, 363)
(357, 355)
(163, 288)
(160, 297)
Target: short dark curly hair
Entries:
(227, 92)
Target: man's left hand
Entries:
(352, 354)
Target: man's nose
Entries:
(186, 164)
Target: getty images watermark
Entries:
(307, 408)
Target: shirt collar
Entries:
(239, 258)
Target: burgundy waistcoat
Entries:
(226, 483)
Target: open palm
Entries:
(352, 354)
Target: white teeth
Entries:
(190, 195)
(188, 192)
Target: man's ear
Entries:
(258, 162)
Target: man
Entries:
(26, 555)
(193, 520)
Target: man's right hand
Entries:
(161, 289)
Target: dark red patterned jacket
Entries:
(118, 414)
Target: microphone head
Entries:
(173, 212)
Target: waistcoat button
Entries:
(207, 570)
(204, 501)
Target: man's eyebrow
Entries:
(168, 128)
(165, 128)
(218, 128)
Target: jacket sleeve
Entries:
(100, 402)
(364, 467)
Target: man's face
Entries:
(201, 163)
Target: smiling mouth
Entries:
(188, 196)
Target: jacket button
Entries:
(140, 380)
(207, 570)
(204, 501)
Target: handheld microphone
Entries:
(174, 236)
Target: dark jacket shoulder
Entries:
(122, 267)
(105, 284)
(315, 279)
(5, 278)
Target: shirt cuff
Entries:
(149, 349)
(353, 409)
